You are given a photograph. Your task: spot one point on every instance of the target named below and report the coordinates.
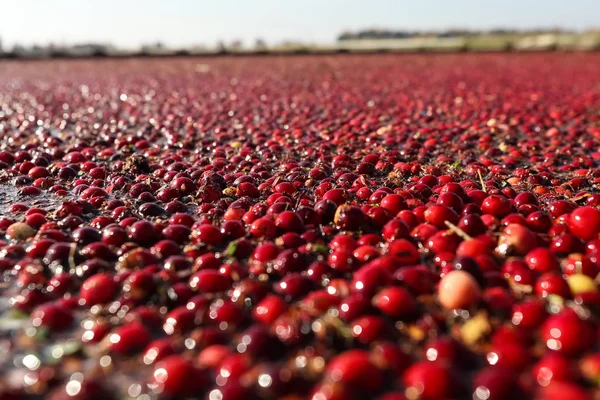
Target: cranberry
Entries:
(553, 367)
(98, 289)
(584, 222)
(142, 232)
(529, 314)
(497, 383)
(516, 239)
(562, 390)
(430, 380)
(289, 221)
(139, 285)
(419, 279)
(177, 263)
(293, 286)
(458, 289)
(177, 376)
(396, 302)
(511, 355)
(129, 338)
(496, 205)
(541, 260)
(354, 367)
(438, 215)
(404, 252)
(263, 228)
(209, 281)
(52, 316)
(567, 333)
(393, 203)
(177, 233)
(181, 319)
(269, 309)
(552, 284)
(289, 261)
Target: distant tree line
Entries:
(107, 49)
(406, 34)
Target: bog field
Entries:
(325, 227)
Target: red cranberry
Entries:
(584, 222)
(541, 260)
(98, 289)
(552, 284)
(354, 367)
(497, 383)
(567, 333)
(553, 367)
(430, 380)
(396, 302)
(129, 338)
(458, 289)
(209, 281)
(52, 316)
(497, 205)
(143, 232)
(529, 314)
(176, 376)
(269, 309)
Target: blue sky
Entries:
(129, 23)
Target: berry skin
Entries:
(429, 380)
(497, 383)
(289, 221)
(563, 390)
(458, 289)
(98, 289)
(496, 205)
(579, 283)
(554, 367)
(567, 334)
(541, 260)
(129, 339)
(52, 316)
(584, 222)
(177, 376)
(529, 314)
(396, 302)
(437, 215)
(354, 368)
(269, 309)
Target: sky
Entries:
(178, 23)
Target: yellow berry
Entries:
(579, 283)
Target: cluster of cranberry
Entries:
(350, 227)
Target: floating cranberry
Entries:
(584, 222)
(541, 260)
(567, 333)
(52, 316)
(20, 231)
(529, 314)
(354, 367)
(177, 376)
(458, 289)
(98, 289)
(553, 367)
(209, 281)
(396, 302)
(349, 217)
(430, 380)
(497, 205)
(497, 383)
(269, 309)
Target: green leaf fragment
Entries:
(231, 249)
